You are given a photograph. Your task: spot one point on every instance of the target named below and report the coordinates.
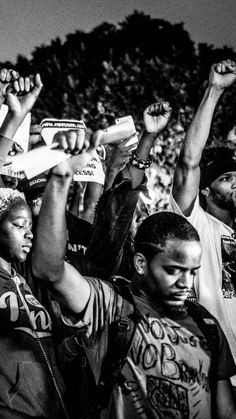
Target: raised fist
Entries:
(22, 95)
(156, 117)
(7, 77)
(81, 144)
(223, 74)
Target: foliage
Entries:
(117, 70)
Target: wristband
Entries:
(58, 176)
(139, 163)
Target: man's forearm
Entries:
(10, 125)
(199, 129)
(143, 152)
(51, 233)
(5, 147)
(7, 131)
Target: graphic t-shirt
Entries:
(26, 384)
(79, 233)
(215, 283)
(167, 368)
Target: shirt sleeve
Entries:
(92, 325)
(98, 313)
(225, 364)
(198, 216)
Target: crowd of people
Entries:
(108, 310)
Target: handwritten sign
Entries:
(92, 172)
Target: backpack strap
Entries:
(208, 326)
(120, 340)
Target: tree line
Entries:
(117, 70)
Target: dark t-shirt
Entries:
(168, 367)
(79, 233)
(26, 384)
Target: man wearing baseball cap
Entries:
(216, 161)
(205, 193)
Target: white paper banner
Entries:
(37, 161)
(92, 172)
(51, 126)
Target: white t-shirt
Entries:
(215, 284)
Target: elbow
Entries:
(188, 161)
(46, 270)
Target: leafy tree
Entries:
(117, 70)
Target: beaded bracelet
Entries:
(139, 163)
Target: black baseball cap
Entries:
(220, 160)
(33, 188)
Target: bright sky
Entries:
(25, 24)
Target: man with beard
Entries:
(213, 211)
(170, 367)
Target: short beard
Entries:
(223, 202)
(175, 311)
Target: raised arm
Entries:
(117, 205)
(187, 173)
(155, 119)
(119, 158)
(21, 96)
(50, 240)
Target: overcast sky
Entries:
(25, 24)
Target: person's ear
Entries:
(205, 192)
(140, 263)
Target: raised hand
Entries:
(81, 144)
(223, 74)
(23, 94)
(120, 155)
(7, 77)
(156, 117)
